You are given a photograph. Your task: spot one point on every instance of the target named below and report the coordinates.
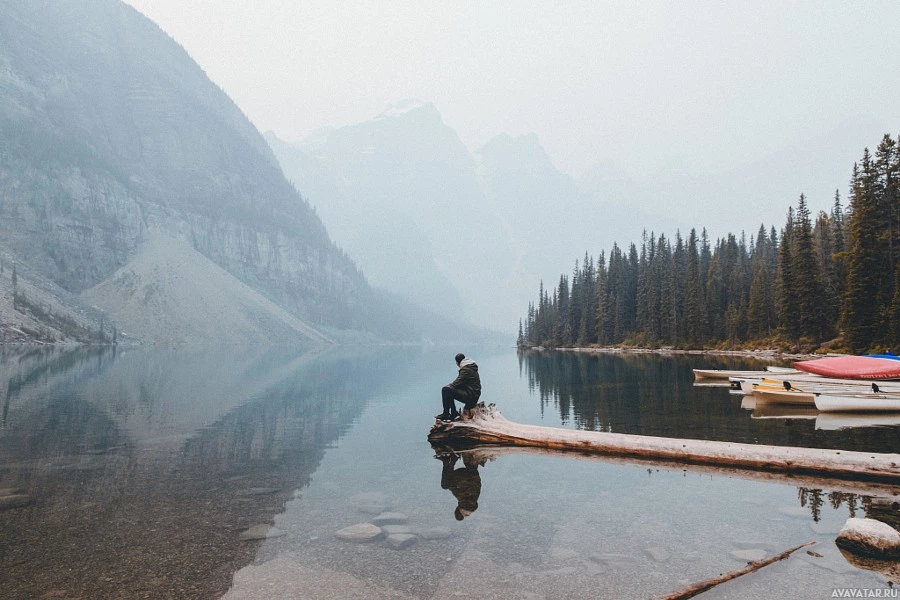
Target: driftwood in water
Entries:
(698, 588)
(485, 425)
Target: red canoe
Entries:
(852, 367)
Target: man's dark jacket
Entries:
(468, 383)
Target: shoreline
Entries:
(764, 355)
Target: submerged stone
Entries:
(390, 518)
(260, 532)
(372, 508)
(399, 541)
(359, 533)
(260, 491)
(559, 553)
(14, 501)
(437, 533)
(870, 538)
(392, 529)
(611, 559)
(749, 555)
(658, 554)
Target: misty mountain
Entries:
(111, 133)
(402, 196)
(494, 223)
(387, 244)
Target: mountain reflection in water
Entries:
(142, 469)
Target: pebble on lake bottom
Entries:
(14, 501)
(658, 554)
(437, 533)
(359, 533)
(399, 541)
(392, 529)
(261, 531)
(259, 491)
(749, 554)
(372, 508)
(390, 518)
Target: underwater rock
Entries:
(437, 533)
(259, 491)
(558, 553)
(260, 532)
(372, 508)
(14, 501)
(749, 555)
(371, 503)
(612, 559)
(399, 541)
(359, 533)
(390, 518)
(658, 554)
(392, 529)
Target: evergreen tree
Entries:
(807, 288)
(695, 305)
(604, 330)
(788, 302)
(864, 266)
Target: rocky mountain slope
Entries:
(169, 292)
(108, 130)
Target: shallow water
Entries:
(143, 469)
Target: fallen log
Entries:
(485, 425)
(698, 588)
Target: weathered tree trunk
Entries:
(485, 425)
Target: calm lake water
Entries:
(141, 473)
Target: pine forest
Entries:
(827, 282)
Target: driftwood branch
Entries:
(485, 425)
(698, 588)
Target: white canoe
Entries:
(721, 374)
(857, 402)
(834, 421)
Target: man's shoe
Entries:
(442, 417)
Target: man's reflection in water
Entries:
(464, 483)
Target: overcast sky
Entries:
(650, 85)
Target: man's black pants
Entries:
(449, 394)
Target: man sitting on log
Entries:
(466, 388)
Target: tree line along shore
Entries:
(829, 283)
